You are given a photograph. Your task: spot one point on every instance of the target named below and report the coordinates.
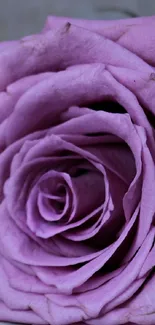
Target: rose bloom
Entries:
(77, 174)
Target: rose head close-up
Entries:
(77, 174)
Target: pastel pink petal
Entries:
(27, 251)
(124, 32)
(9, 98)
(85, 272)
(11, 157)
(18, 300)
(100, 26)
(149, 263)
(147, 198)
(48, 231)
(33, 112)
(139, 310)
(139, 82)
(20, 316)
(84, 305)
(33, 53)
(22, 281)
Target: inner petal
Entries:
(52, 207)
(54, 198)
(89, 189)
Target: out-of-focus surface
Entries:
(22, 17)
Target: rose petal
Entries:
(25, 250)
(34, 53)
(85, 306)
(10, 97)
(87, 84)
(124, 31)
(22, 281)
(20, 316)
(139, 82)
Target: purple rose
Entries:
(77, 174)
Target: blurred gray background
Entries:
(22, 17)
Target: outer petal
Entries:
(87, 84)
(125, 32)
(32, 54)
(140, 310)
(86, 306)
(20, 316)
